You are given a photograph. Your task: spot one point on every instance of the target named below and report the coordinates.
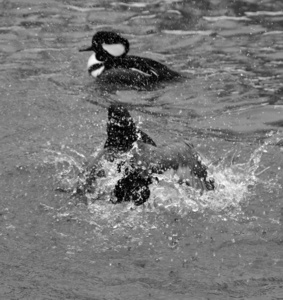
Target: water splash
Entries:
(235, 182)
(67, 165)
(126, 226)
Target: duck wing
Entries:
(179, 157)
(146, 66)
(145, 138)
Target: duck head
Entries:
(108, 48)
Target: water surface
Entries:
(180, 245)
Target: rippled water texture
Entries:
(180, 245)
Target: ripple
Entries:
(264, 13)
(84, 9)
(188, 32)
(213, 19)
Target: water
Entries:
(180, 245)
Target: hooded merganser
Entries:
(110, 59)
(146, 161)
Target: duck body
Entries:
(142, 160)
(110, 62)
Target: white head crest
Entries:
(114, 49)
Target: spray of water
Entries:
(128, 226)
(234, 184)
(68, 165)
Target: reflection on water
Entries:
(181, 244)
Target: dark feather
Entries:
(122, 131)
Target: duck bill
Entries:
(86, 49)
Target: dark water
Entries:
(180, 245)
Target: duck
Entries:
(147, 160)
(110, 62)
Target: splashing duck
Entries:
(146, 160)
